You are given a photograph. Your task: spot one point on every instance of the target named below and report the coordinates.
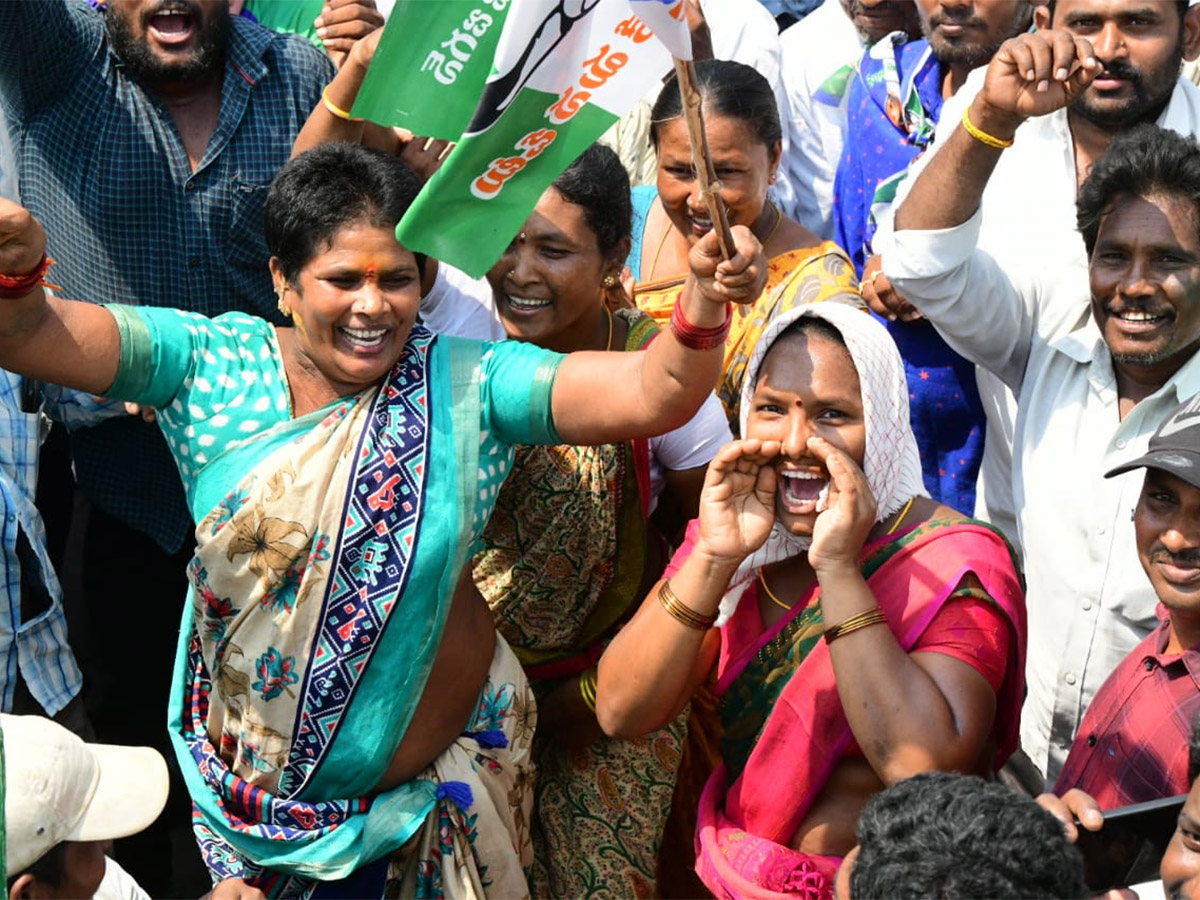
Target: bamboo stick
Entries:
(710, 187)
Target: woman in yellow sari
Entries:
(745, 144)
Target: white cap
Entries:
(60, 789)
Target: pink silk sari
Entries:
(745, 827)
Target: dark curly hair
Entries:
(1146, 161)
(598, 182)
(943, 835)
(327, 188)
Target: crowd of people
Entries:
(859, 557)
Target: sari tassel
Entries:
(488, 740)
(457, 792)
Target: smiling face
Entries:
(744, 166)
(969, 33)
(1167, 525)
(167, 41)
(1140, 44)
(1145, 282)
(807, 385)
(353, 304)
(547, 285)
(1180, 867)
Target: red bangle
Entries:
(695, 338)
(13, 287)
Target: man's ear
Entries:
(1041, 17)
(26, 887)
(1191, 33)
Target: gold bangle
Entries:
(854, 623)
(982, 136)
(587, 688)
(334, 108)
(680, 611)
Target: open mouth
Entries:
(800, 492)
(365, 339)
(526, 305)
(172, 25)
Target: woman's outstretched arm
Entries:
(66, 342)
(604, 397)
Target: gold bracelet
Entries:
(587, 688)
(854, 623)
(680, 611)
(334, 108)
(982, 136)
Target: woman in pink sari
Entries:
(815, 525)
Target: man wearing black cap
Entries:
(1132, 744)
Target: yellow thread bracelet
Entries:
(334, 108)
(982, 136)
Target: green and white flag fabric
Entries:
(524, 86)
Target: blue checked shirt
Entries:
(38, 649)
(103, 167)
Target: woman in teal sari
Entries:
(346, 719)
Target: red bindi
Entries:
(799, 402)
(370, 272)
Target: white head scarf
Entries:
(891, 463)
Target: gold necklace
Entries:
(608, 346)
(903, 513)
(766, 587)
(661, 243)
(775, 227)
(770, 596)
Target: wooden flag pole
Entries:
(710, 187)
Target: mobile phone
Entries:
(1131, 843)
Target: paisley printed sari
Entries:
(300, 667)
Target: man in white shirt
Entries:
(1037, 178)
(817, 57)
(1089, 390)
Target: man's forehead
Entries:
(1064, 9)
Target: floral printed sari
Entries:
(300, 667)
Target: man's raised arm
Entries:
(1030, 75)
(43, 47)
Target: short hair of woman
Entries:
(598, 182)
(728, 89)
(327, 188)
(1146, 161)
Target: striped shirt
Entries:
(36, 649)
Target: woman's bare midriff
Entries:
(459, 672)
(828, 829)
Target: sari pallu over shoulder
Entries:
(745, 827)
(298, 574)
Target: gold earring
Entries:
(283, 309)
(610, 282)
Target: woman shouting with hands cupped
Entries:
(860, 632)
